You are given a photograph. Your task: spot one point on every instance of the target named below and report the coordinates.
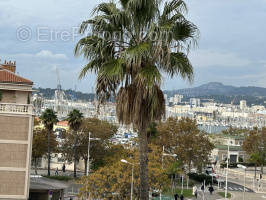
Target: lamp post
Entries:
(132, 177)
(243, 167)
(88, 161)
(172, 155)
(226, 175)
(167, 154)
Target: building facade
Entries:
(16, 125)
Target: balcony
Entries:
(11, 108)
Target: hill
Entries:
(48, 93)
(216, 88)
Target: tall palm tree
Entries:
(75, 118)
(131, 47)
(49, 118)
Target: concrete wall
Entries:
(14, 128)
(22, 97)
(12, 96)
(8, 96)
(12, 183)
(15, 155)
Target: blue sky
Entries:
(232, 45)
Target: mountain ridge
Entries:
(217, 88)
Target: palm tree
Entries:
(75, 118)
(131, 47)
(49, 118)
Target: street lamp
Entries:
(243, 167)
(167, 154)
(88, 161)
(227, 165)
(132, 176)
(172, 155)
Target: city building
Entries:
(243, 104)
(16, 122)
(195, 102)
(176, 99)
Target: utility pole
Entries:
(226, 176)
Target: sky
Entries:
(41, 35)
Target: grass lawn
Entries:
(223, 193)
(186, 192)
(169, 195)
(60, 178)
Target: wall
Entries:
(11, 96)
(22, 97)
(15, 153)
(8, 96)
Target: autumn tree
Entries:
(114, 180)
(231, 131)
(183, 138)
(255, 145)
(97, 129)
(40, 145)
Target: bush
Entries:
(60, 178)
(201, 177)
(234, 165)
(222, 194)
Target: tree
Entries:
(40, 145)
(183, 138)
(74, 119)
(49, 118)
(99, 129)
(114, 180)
(234, 131)
(0, 95)
(255, 145)
(132, 45)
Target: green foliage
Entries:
(222, 194)
(234, 165)
(114, 179)
(49, 118)
(186, 192)
(99, 149)
(201, 177)
(235, 131)
(154, 40)
(183, 138)
(60, 178)
(74, 119)
(40, 144)
(255, 145)
(0, 95)
(48, 93)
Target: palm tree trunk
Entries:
(35, 165)
(143, 160)
(75, 157)
(49, 153)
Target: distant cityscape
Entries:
(212, 115)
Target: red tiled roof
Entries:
(62, 123)
(10, 77)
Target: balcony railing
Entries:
(15, 108)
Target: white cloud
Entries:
(207, 58)
(49, 54)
